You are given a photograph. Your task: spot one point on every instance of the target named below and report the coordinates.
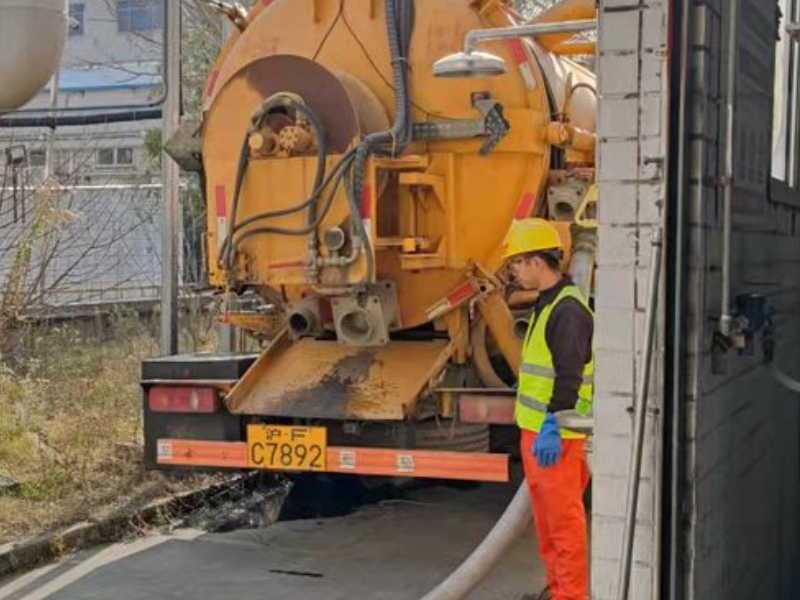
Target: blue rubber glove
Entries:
(547, 447)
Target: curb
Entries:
(18, 556)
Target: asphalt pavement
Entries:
(397, 549)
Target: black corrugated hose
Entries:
(400, 16)
(228, 252)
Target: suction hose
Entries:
(506, 531)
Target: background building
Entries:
(102, 220)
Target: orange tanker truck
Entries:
(360, 172)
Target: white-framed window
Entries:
(786, 110)
(124, 156)
(37, 157)
(115, 157)
(76, 18)
(139, 15)
(105, 157)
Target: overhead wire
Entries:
(380, 74)
(329, 31)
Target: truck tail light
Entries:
(182, 399)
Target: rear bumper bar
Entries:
(434, 464)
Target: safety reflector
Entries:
(182, 399)
(459, 295)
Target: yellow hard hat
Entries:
(531, 235)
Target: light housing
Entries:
(180, 399)
(469, 64)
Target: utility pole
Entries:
(171, 221)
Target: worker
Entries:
(555, 375)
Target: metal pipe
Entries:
(53, 121)
(111, 187)
(49, 159)
(640, 419)
(477, 36)
(171, 229)
(726, 319)
(583, 257)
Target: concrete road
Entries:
(395, 550)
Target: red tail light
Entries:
(183, 399)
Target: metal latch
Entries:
(493, 125)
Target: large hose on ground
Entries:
(506, 531)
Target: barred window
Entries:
(139, 15)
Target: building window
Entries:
(112, 157)
(76, 19)
(105, 157)
(786, 122)
(37, 158)
(62, 162)
(139, 15)
(124, 156)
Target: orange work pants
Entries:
(560, 517)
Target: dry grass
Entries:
(70, 428)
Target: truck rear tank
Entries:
(356, 210)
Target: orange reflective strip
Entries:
(201, 453)
(434, 464)
(471, 466)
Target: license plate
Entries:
(286, 447)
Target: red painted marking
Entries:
(267, 2)
(212, 81)
(293, 264)
(366, 202)
(518, 51)
(525, 206)
(219, 195)
(482, 408)
(460, 294)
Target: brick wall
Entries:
(743, 464)
(632, 39)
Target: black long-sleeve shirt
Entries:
(569, 337)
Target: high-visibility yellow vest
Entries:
(537, 375)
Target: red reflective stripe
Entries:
(518, 51)
(460, 294)
(525, 206)
(366, 202)
(287, 264)
(212, 81)
(484, 408)
(219, 195)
